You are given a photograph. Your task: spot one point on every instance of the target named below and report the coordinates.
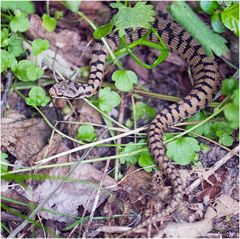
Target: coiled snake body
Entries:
(206, 82)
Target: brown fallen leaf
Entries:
(79, 189)
(23, 138)
(69, 42)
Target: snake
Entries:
(206, 84)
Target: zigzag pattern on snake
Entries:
(206, 82)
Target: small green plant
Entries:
(144, 111)
(231, 112)
(26, 70)
(223, 14)
(108, 99)
(124, 80)
(49, 23)
(37, 97)
(86, 133)
(4, 162)
(183, 150)
(143, 158)
(39, 45)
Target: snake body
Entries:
(206, 82)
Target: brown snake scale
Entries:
(206, 82)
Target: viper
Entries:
(206, 82)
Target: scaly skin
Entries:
(206, 82)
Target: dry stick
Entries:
(214, 168)
(6, 92)
(39, 207)
(119, 141)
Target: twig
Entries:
(6, 92)
(119, 141)
(214, 168)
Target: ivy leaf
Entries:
(141, 15)
(143, 110)
(15, 45)
(37, 97)
(86, 133)
(19, 23)
(7, 60)
(230, 18)
(39, 45)
(216, 23)
(124, 80)
(25, 70)
(24, 6)
(108, 99)
(183, 150)
(49, 23)
(73, 5)
(228, 86)
(208, 6)
(146, 162)
(103, 30)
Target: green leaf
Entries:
(4, 161)
(226, 140)
(4, 37)
(146, 162)
(183, 150)
(7, 60)
(34, 72)
(124, 80)
(15, 45)
(231, 113)
(49, 23)
(103, 31)
(216, 23)
(130, 148)
(208, 6)
(185, 16)
(236, 97)
(228, 86)
(19, 23)
(26, 71)
(143, 110)
(230, 18)
(73, 5)
(204, 147)
(221, 128)
(86, 133)
(108, 99)
(141, 15)
(39, 45)
(37, 97)
(24, 6)
(205, 129)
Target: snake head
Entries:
(65, 89)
